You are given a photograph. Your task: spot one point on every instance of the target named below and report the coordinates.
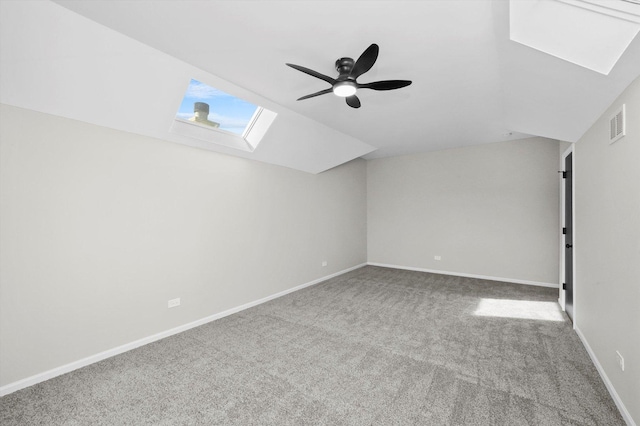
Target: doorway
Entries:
(567, 290)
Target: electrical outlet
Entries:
(437, 257)
(324, 263)
(173, 303)
(620, 360)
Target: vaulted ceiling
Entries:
(471, 83)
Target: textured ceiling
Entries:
(471, 84)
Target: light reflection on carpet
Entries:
(522, 309)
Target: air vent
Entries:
(617, 125)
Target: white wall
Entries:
(488, 210)
(607, 247)
(100, 228)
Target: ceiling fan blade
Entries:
(322, 92)
(365, 61)
(385, 84)
(313, 73)
(353, 101)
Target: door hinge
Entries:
(564, 174)
(564, 231)
(564, 286)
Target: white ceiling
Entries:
(471, 84)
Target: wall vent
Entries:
(617, 125)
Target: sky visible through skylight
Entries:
(232, 113)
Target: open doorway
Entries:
(567, 256)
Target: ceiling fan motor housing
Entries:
(344, 67)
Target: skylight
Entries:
(224, 111)
(211, 115)
(590, 33)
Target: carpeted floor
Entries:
(375, 346)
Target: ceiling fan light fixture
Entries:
(344, 89)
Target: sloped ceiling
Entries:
(471, 84)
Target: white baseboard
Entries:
(462, 274)
(41, 377)
(612, 391)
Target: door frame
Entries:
(561, 295)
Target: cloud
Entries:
(184, 115)
(226, 121)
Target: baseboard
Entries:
(462, 274)
(41, 377)
(612, 391)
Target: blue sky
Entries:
(232, 113)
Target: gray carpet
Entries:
(375, 346)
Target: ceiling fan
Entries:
(346, 85)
